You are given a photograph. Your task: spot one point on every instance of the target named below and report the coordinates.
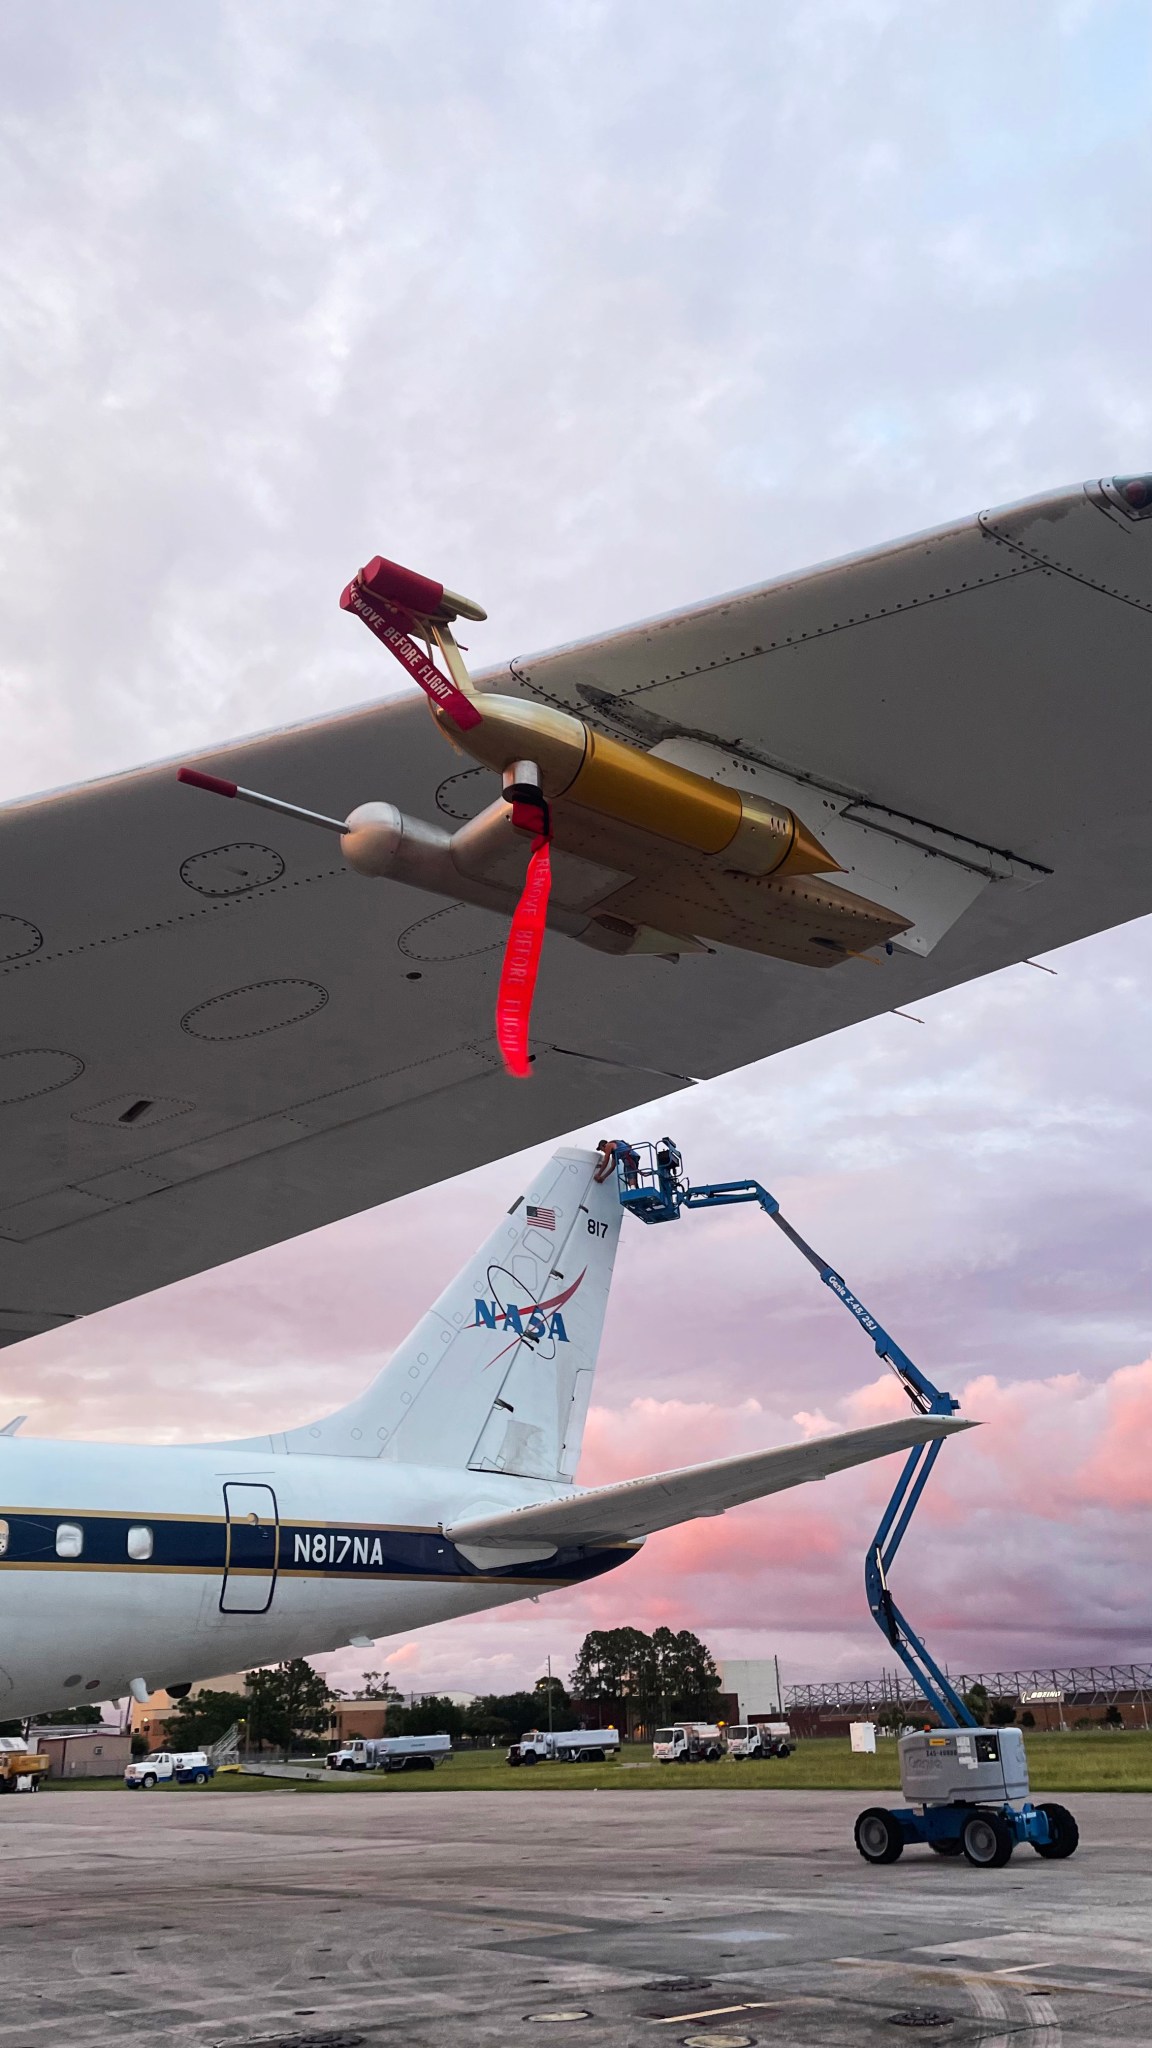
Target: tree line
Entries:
(667, 1676)
(620, 1673)
(290, 1706)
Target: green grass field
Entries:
(1086, 1761)
(1081, 1762)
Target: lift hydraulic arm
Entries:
(651, 1186)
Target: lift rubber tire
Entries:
(531, 1758)
(199, 1777)
(954, 1847)
(987, 1840)
(1064, 1831)
(878, 1836)
(149, 1781)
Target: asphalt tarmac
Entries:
(183, 1919)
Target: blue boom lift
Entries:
(963, 1778)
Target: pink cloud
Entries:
(404, 1656)
(1019, 1497)
(1118, 1469)
(665, 1434)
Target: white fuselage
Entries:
(202, 1560)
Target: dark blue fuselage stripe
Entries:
(319, 1550)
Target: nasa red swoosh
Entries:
(557, 1300)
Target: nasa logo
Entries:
(493, 1317)
(533, 1321)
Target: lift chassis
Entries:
(968, 1785)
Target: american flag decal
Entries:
(544, 1219)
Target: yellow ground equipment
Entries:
(21, 1765)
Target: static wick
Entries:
(907, 1016)
(1039, 966)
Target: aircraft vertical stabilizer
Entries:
(497, 1376)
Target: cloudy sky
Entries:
(595, 307)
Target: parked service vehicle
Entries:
(169, 1767)
(688, 1742)
(566, 1746)
(21, 1766)
(390, 1753)
(759, 1740)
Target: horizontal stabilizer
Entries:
(637, 1507)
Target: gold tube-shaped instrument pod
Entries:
(578, 766)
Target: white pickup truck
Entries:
(391, 1753)
(169, 1767)
(757, 1740)
(565, 1746)
(688, 1742)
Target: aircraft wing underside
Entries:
(214, 1036)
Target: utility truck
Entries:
(748, 1740)
(565, 1746)
(169, 1767)
(689, 1742)
(21, 1765)
(390, 1753)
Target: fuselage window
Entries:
(140, 1542)
(69, 1539)
(3, 1539)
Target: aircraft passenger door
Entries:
(251, 1546)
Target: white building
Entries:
(755, 1681)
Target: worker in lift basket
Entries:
(618, 1152)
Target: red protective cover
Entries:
(199, 780)
(401, 586)
(389, 623)
(521, 962)
(530, 816)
